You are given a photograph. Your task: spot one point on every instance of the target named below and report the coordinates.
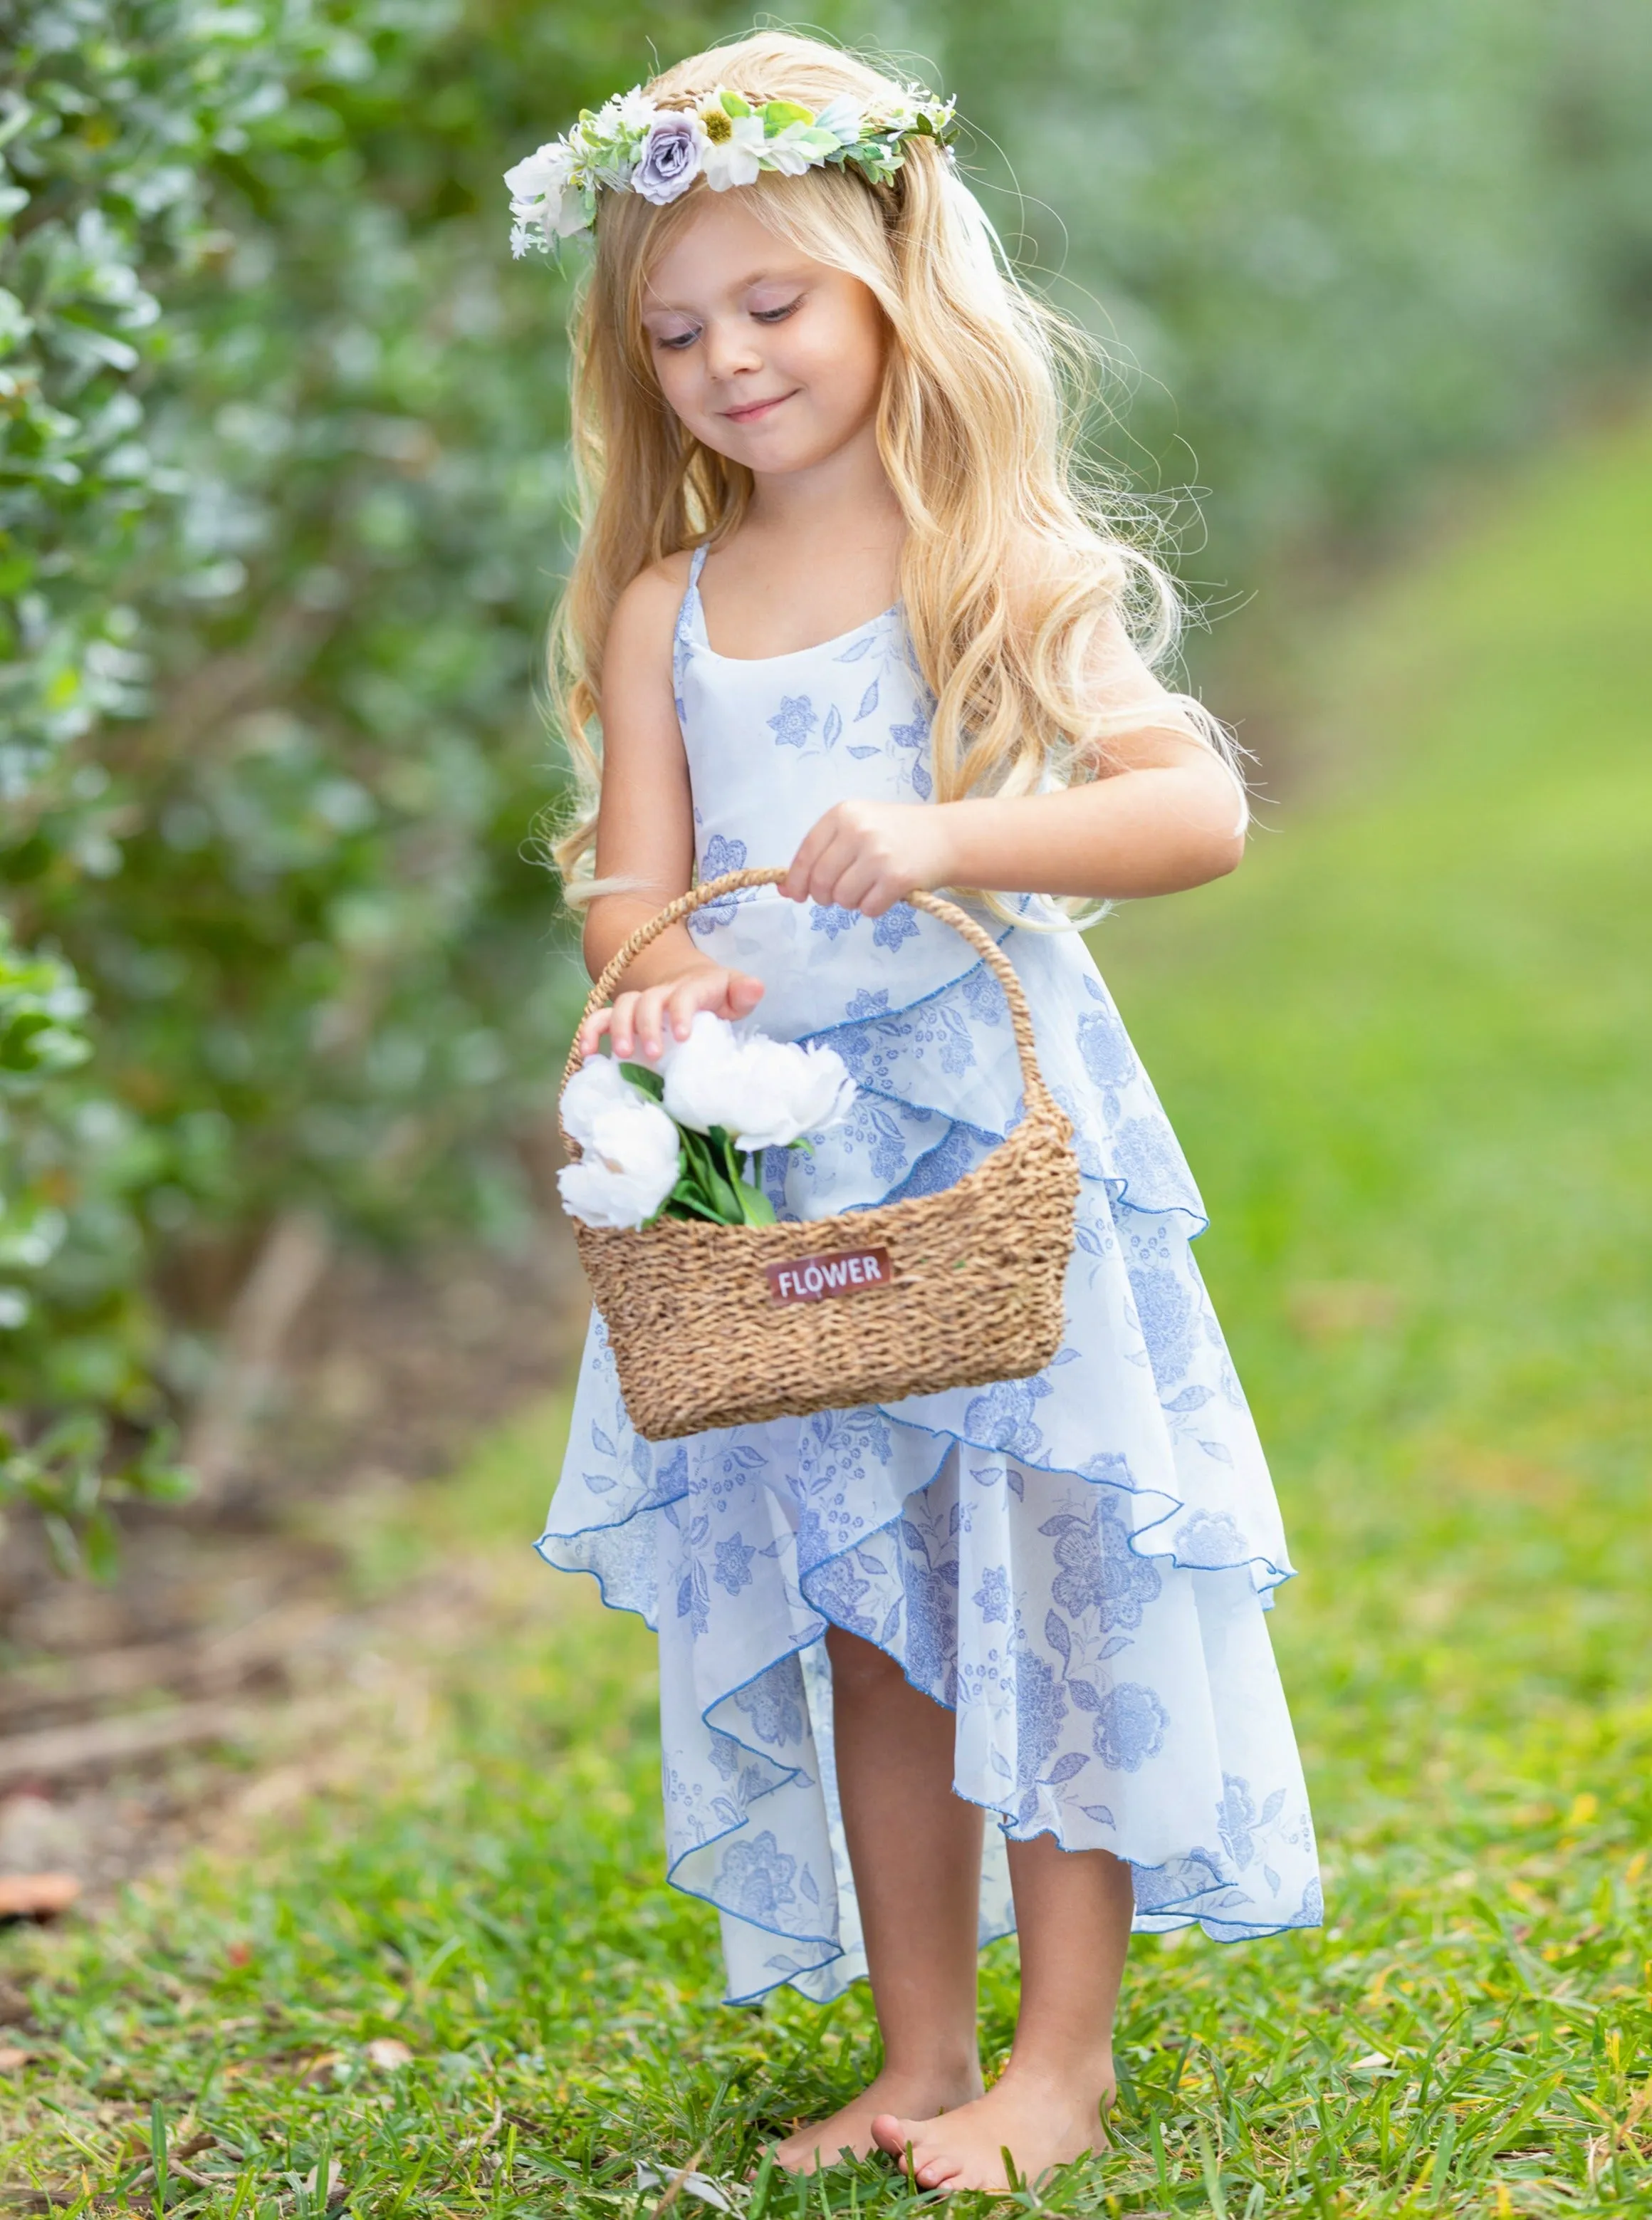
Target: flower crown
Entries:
(632, 144)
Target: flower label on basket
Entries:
(812, 1279)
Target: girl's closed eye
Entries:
(678, 339)
(778, 315)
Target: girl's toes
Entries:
(890, 2135)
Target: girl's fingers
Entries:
(744, 993)
(591, 1033)
(622, 1025)
(685, 1002)
(857, 886)
(651, 1022)
(639, 1021)
(829, 872)
(797, 881)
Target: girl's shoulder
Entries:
(645, 614)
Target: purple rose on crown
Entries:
(670, 158)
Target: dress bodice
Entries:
(774, 741)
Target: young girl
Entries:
(840, 604)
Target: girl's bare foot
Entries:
(1042, 2118)
(820, 2144)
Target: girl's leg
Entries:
(1073, 1911)
(915, 1849)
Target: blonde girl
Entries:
(988, 1659)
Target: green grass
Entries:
(1410, 1050)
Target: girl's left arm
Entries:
(1168, 813)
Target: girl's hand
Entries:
(869, 855)
(636, 1023)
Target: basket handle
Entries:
(711, 890)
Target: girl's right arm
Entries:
(644, 834)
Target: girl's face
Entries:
(766, 356)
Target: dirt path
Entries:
(215, 1672)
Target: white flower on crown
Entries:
(734, 145)
(845, 118)
(632, 112)
(892, 112)
(546, 195)
(793, 149)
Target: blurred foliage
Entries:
(282, 499)
(1334, 247)
(279, 560)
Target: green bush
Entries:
(283, 511)
(1339, 249)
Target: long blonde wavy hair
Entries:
(1015, 566)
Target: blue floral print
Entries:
(718, 855)
(733, 1570)
(759, 1877)
(1100, 1572)
(794, 721)
(1130, 1723)
(896, 925)
(1058, 1559)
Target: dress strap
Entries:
(682, 634)
(690, 607)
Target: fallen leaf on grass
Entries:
(36, 1896)
(334, 2183)
(389, 2051)
(11, 2058)
(685, 2185)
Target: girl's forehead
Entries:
(720, 249)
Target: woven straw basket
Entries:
(725, 1325)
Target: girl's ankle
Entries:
(950, 2080)
(1067, 2065)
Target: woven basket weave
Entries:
(725, 1325)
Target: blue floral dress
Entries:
(1076, 1565)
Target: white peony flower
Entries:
(791, 1090)
(731, 157)
(764, 1094)
(598, 1085)
(630, 1163)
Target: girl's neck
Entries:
(817, 552)
(846, 494)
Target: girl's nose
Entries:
(730, 348)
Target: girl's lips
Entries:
(754, 410)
